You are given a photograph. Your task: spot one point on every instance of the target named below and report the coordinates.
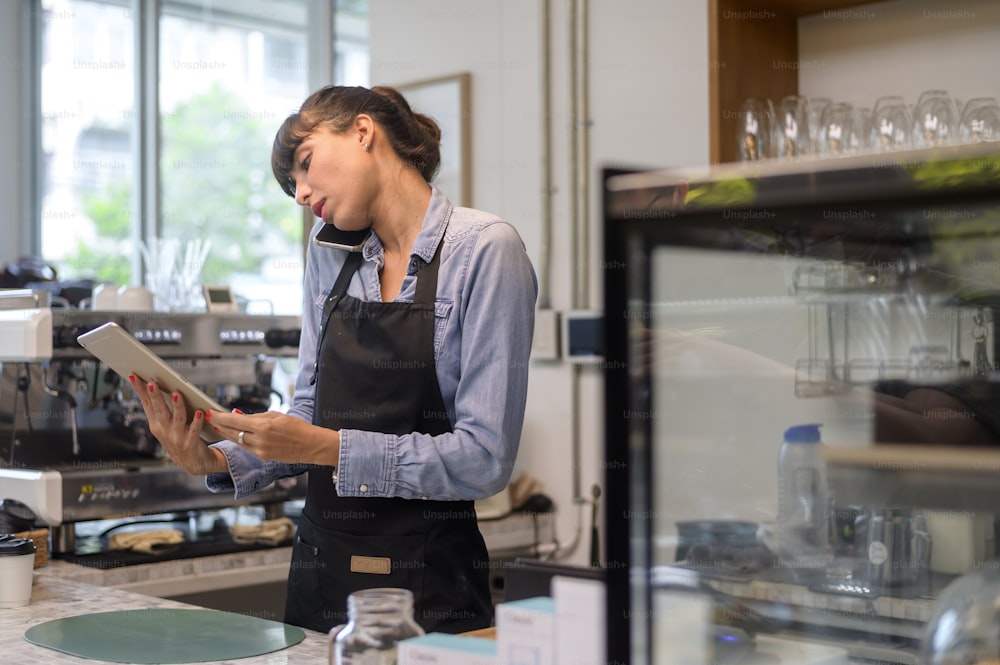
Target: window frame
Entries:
(146, 148)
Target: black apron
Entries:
(378, 375)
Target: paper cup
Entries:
(17, 564)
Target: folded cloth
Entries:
(145, 541)
(268, 532)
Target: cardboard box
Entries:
(445, 649)
(526, 632)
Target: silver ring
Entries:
(239, 438)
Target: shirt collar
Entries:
(431, 232)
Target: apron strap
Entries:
(350, 267)
(351, 264)
(427, 279)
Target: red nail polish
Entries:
(175, 397)
(239, 412)
(197, 415)
(149, 387)
(208, 415)
(216, 429)
(131, 378)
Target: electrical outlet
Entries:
(545, 342)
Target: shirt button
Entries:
(363, 488)
(413, 264)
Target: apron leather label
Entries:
(373, 565)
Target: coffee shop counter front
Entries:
(63, 590)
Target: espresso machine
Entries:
(75, 444)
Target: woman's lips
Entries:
(317, 208)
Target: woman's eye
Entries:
(304, 164)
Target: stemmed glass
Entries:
(756, 129)
(792, 137)
(980, 120)
(936, 119)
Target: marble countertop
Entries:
(55, 598)
(65, 589)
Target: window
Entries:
(86, 138)
(230, 71)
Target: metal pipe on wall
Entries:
(545, 147)
(582, 123)
(579, 192)
(579, 147)
(574, 157)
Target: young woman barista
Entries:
(413, 370)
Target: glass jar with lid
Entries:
(377, 620)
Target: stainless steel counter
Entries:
(180, 576)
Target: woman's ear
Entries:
(364, 127)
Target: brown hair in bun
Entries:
(415, 137)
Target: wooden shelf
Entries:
(751, 47)
(915, 476)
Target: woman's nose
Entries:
(302, 192)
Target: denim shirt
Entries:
(483, 324)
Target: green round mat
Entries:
(160, 635)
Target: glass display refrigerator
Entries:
(803, 410)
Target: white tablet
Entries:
(126, 355)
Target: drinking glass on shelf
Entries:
(891, 125)
(935, 119)
(887, 100)
(837, 129)
(816, 107)
(980, 120)
(756, 129)
(792, 136)
(861, 134)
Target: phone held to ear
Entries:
(349, 241)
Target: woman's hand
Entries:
(278, 437)
(167, 415)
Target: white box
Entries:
(526, 632)
(25, 335)
(580, 624)
(445, 649)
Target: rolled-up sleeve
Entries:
(247, 472)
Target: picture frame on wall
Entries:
(447, 99)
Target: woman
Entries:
(412, 381)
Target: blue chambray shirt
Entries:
(483, 324)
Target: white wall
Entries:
(902, 47)
(12, 129)
(648, 103)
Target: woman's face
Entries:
(334, 177)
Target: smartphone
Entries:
(123, 353)
(350, 241)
